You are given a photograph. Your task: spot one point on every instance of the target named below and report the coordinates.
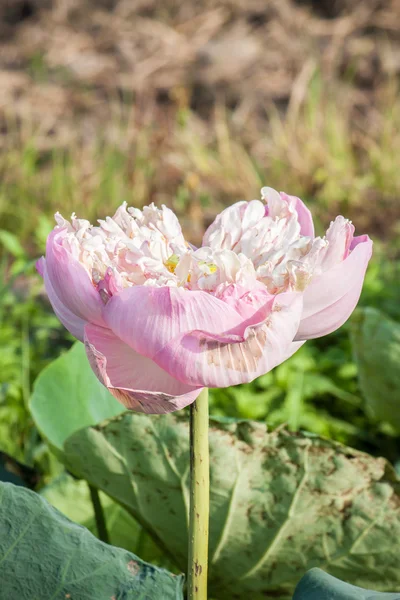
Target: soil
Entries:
(65, 59)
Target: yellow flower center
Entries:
(211, 266)
(171, 263)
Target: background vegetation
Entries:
(197, 105)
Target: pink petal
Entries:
(74, 324)
(147, 318)
(134, 380)
(340, 237)
(230, 358)
(332, 296)
(246, 302)
(71, 282)
(40, 266)
(360, 239)
(303, 213)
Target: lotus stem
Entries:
(199, 498)
(99, 515)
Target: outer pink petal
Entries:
(360, 239)
(332, 296)
(40, 266)
(304, 215)
(134, 380)
(74, 324)
(220, 360)
(147, 318)
(71, 282)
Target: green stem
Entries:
(99, 515)
(199, 498)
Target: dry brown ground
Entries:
(63, 57)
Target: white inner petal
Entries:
(248, 242)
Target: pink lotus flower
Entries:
(161, 319)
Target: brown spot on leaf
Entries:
(133, 567)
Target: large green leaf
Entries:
(44, 556)
(71, 497)
(280, 503)
(376, 345)
(67, 396)
(318, 585)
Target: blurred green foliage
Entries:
(376, 344)
(30, 337)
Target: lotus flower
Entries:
(161, 319)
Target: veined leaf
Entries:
(318, 585)
(72, 498)
(281, 503)
(67, 396)
(44, 556)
